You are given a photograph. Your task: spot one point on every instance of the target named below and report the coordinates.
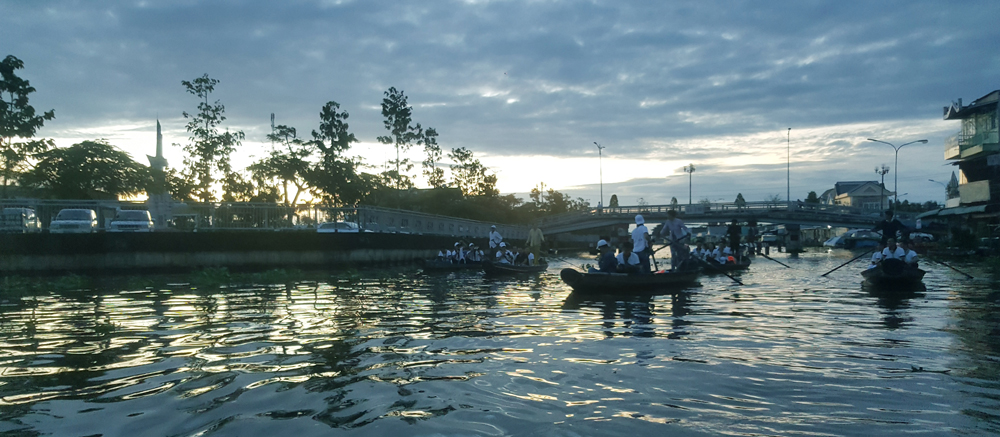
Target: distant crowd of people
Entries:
(499, 252)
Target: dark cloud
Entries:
(654, 79)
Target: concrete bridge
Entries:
(805, 214)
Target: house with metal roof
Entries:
(861, 194)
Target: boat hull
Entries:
(893, 274)
(510, 269)
(620, 282)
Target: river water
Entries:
(398, 352)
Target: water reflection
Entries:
(377, 351)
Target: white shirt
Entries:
(633, 259)
(639, 238)
(911, 257)
(727, 251)
(677, 229)
(715, 253)
(876, 257)
(899, 253)
(495, 239)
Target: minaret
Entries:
(158, 162)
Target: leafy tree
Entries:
(398, 115)
(812, 197)
(435, 175)
(86, 170)
(287, 163)
(179, 186)
(613, 203)
(209, 150)
(673, 203)
(470, 176)
(255, 189)
(18, 120)
(336, 178)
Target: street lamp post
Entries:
(882, 171)
(689, 169)
(788, 167)
(895, 177)
(600, 165)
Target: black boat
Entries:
(499, 269)
(893, 274)
(439, 265)
(622, 282)
(714, 267)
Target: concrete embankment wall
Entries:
(137, 252)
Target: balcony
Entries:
(974, 192)
(952, 149)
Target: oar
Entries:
(772, 259)
(720, 270)
(852, 260)
(950, 267)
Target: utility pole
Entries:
(788, 167)
(600, 164)
(882, 171)
(895, 182)
(689, 169)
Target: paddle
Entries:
(852, 260)
(720, 270)
(772, 259)
(950, 267)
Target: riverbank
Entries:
(186, 251)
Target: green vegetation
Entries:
(17, 120)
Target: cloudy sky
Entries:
(529, 86)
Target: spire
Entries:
(159, 140)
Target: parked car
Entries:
(74, 221)
(131, 220)
(338, 228)
(19, 220)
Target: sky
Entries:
(758, 96)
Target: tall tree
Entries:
(17, 120)
(398, 116)
(335, 178)
(812, 197)
(209, 150)
(287, 164)
(88, 170)
(470, 175)
(435, 175)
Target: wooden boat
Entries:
(709, 267)
(447, 266)
(621, 282)
(493, 268)
(893, 274)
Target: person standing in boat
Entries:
(735, 233)
(889, 227)
(534, 242)
(892, 251)
(627, 260)
(640, 243)
(495, 238)
(679, 234)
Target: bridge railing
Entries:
(722, 210)
(218, 216)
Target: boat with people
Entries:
(666, 281)
(709, 267)
(893, 274)
(499, 269)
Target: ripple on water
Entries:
(788, 353)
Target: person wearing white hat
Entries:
(495, 237)
(504, 256)
(606, 261)
(640, 243)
